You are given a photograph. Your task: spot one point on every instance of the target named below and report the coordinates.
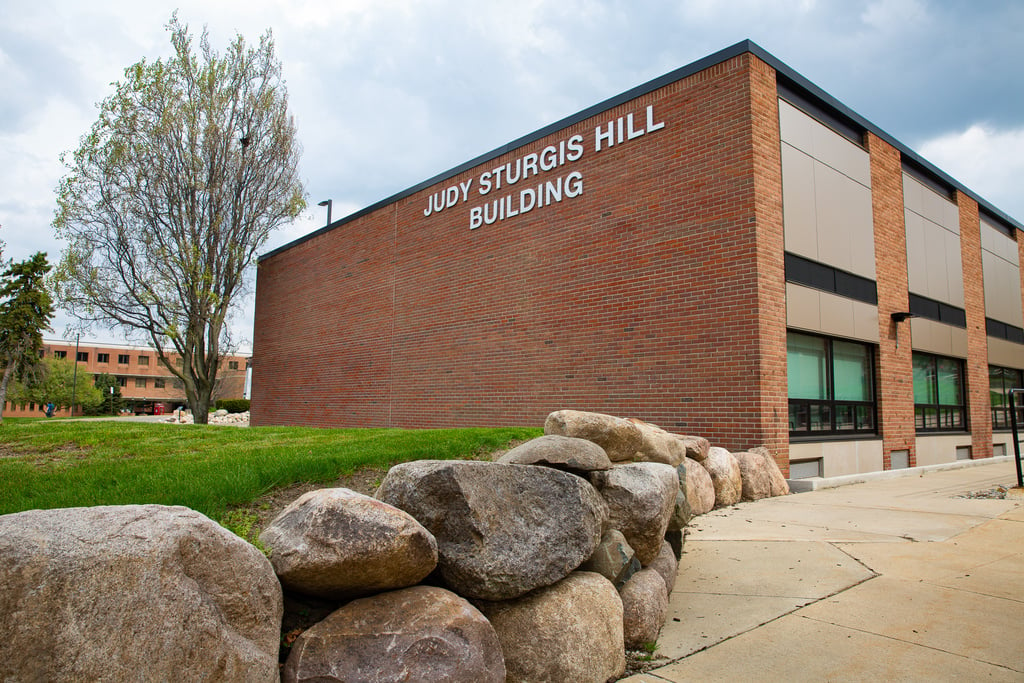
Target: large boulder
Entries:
(657, 445)
(666, 564)
(725, 475)
(501, 530)
(761, 475)
(422, 633)
(644, 608)
(620, 438)
(567, 453)
(339, 544)
(697, 447)
(571, 631)
(683, 511)
(641, 497)
(700, 490)
(136, 592)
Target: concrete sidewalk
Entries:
(894, 580)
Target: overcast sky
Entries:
(386, 93)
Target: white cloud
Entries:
(988, 160)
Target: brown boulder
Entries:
(700, 490)
(725, 475)
(571, 631)
(644, 608)
(339, 544)
(421, 633)
(133, 593)
(567, 453)
(619, 437)
(641, 497)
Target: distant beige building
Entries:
(147, 387)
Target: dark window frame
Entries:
(923, 307)
(123, 358)
(102, 357)
(949, 418)
(802, 271)
(1001, 413)
(802, 408)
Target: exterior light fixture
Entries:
(328, 203)
(901, 316)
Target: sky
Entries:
(387, 93)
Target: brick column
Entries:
(895, 372)
(773, 404)
(979, 407)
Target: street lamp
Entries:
(327, 203)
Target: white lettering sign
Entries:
(527, 168)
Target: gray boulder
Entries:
(683, 511)
(644, 608)
(657, 445)
(725, 475)
(136, 592)
(567, 453)
(501, 530)
(612, 559)
(620, 438)
(339, 544)
(640, 497)
(423, 634)
(700, 490)
(571, 631)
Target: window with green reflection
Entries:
(831, 386)
(939, 403)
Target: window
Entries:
(83, 356)
(831, 386)
(60, 354)
(143, 360)
(140, 382)
(122, 381)
(1000, 381)
(939, 394)
(232, 365)
(158, 383)
(102, 357)
(122, 359)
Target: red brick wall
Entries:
(895, 361)
(641, 297)
(979, 408)
(771, 272)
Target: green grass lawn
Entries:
(48, 464)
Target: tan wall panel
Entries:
(935, 337)
(938, 449)
(1005, 353)
(815, 311)
(840, 458)
(846, 237)
(799, 215)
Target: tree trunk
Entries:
(8, 372)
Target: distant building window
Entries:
(232, 365)
(143, 360)
(122, 359)
(159, 383)
(83, 356)
(939, 404)
(102, 357)
(1000, 381)
(122, 381)
(831, 386)
(60, 354)
(140, 382)
(42, 353)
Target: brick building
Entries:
(146, 385)
(725, 251)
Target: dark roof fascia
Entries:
(791, 78)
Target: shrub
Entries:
(233, 405)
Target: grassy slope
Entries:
(47, 464)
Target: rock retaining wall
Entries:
(545, 565)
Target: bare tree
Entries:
(192, 163)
